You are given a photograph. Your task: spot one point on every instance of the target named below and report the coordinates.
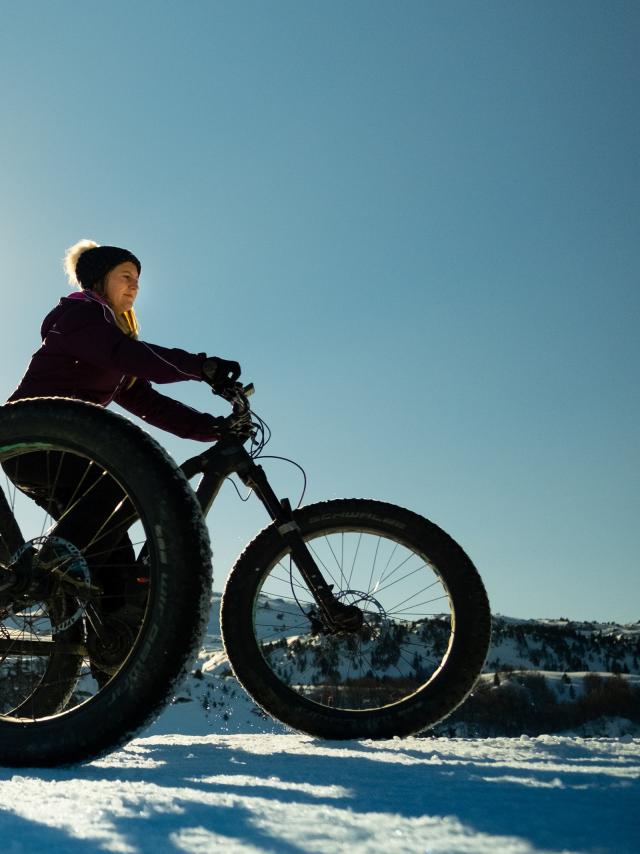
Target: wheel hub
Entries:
(358, 612)
(111, 643)
(44, 566)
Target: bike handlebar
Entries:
(240, 421)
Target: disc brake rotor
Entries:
(62, 567)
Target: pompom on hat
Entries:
(86, 262)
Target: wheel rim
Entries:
(406, 633)
(60, 639)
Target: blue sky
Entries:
(415, 224)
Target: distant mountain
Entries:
(563, 645)
(541, 675)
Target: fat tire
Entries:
(180, 589)
(443, 693)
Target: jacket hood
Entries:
(63, 306)
(54, 315)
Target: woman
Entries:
(90, 351)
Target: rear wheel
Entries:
(411, 660)
(105, 578)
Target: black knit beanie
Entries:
(93, 264)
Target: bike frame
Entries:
(229, 456)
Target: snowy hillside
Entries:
(563, 653)
(561, 645)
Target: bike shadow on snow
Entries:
(548, 799)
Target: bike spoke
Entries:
(402, 641)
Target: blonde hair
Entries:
(128, 322)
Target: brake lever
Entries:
(239, 425)
(239, 421)
(234, 391)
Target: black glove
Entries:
(220, 372)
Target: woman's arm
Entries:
(168, 414)
(86, 332)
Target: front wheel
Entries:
(413, 658)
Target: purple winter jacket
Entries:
(85, 355)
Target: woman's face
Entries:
(121, 287)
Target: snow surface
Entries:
(289, 793)
(214, 774)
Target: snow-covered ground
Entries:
(262, 792)
(213, 774)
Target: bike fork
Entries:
(337, 614)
